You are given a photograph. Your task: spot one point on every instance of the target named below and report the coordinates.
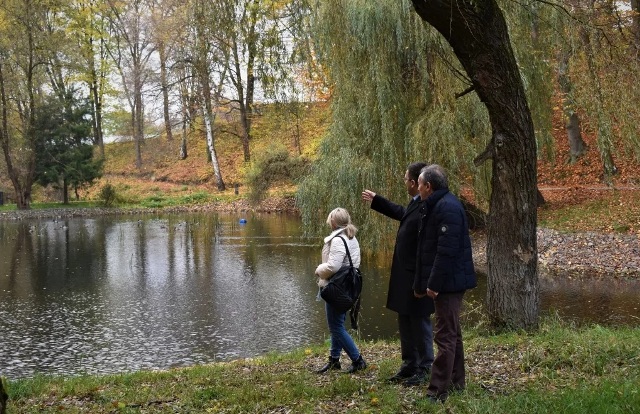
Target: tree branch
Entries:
(466, 91)
(485, 155)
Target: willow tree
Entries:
(392, 104)
(605, 74)
(477, 32)
(593, 44)
(395, 84)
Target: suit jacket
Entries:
(400, 297)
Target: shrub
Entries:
(108, 195)
(273, 166)
(195, 198)
(155, 201)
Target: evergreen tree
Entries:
(64, 155)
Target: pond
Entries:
(124, 293)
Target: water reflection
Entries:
(114, 294)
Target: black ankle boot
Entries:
(357, 365)
(334, 363)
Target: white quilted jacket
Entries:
(334, 255)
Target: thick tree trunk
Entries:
(478, 34)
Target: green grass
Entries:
(559, 369)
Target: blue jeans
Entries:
(340, 338)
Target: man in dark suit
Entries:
(414, 323)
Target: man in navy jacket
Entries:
(414, 323)
(444, 271)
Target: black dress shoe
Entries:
(436, 399)
(419, 378)
(399, 377)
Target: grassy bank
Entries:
(560, 369)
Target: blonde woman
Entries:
(334, 256)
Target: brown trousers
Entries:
(447, 371)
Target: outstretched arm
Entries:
(368, 196)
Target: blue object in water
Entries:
(243, 221)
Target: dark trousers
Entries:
(416, 343)
(447, 372)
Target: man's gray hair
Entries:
(435, 175)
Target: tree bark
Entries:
(635, 25)
(478, 34)
(245, 102)
(165, 90)
(185, 103)
(95, 86)
(4, 141)
(96, 108)
(65, 191)
(138, 120)
(202, 70)
(577, 146)
(3, 398)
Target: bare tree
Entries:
(207, 57)
(131, 52)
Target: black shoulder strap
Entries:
(355, 309)
(346, 247)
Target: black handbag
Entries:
(344, 288)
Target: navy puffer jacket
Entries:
(444, 260)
